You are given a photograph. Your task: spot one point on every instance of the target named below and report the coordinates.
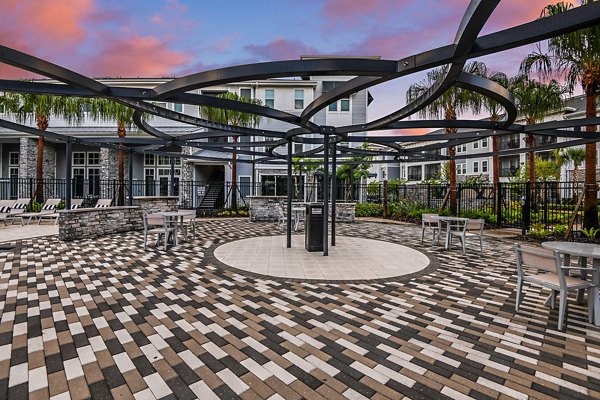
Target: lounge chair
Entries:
(103, 203)
(75, 204)
(48, 208)
(19, 207)
(5, 206)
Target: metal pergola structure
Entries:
(367, 72)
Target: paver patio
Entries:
(106, 319)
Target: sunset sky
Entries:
(156, 38)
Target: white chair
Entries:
(189, 221)
(157, 224)
(103, 203)
(430, 221)
(75, 204)
(19, 207)
(553, 277)
(5, 206)
(473, 228)
(281, 216)
(49, 208)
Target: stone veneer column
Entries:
(186, 186)
(28, 163)
(109, 164)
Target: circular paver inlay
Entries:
(351, 259)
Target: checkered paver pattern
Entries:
(104, 319)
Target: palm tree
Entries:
(452, 102)
(494, 108)
(576, 56)
(576, 155)
(27, 108)
(235, 118)
(534, 100)
(107, 110)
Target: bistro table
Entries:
(583, 251)
(450, 223)
(176, 217)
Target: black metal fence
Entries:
(544, 205)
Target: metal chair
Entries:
(473, 228)
(281, 216)
(553, 277)
(158, 224)
(430, 221)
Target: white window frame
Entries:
(245, 88)
(484, 166)
(476, 144)
(146, 164)
(475, 167)
(10, 163)
(269, 91)
(298, 98)
(79, 153)
(484, 142)
(461, 169)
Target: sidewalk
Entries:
(14, 232)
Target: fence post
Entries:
(526, 209)
(459, 197)
(31, 188)
(385, 199)
(545, 205)
(499, 205)
(429, 195)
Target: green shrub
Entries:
(559, 229)
(368, 210)
(539, 231)
(479, 214)
(34, 206)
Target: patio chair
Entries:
(281, 216)
(157, 224)
(430, 221)
(5, 206)
(189, 221)
(553, 277)
(49, 208)
(473, 228)
(75, 204)
(103, 203)
(19, 207)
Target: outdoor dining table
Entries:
(583, 251)
(449, 222)
(176, 217)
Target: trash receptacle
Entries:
(313, 227)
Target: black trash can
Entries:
(313, 232)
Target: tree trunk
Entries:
(42, 124)
(121, 167)
(590, 205)
(530, 141)
(495, 166)
(450, 114)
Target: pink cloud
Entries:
(137, 56)
(281, 49)
(510, 13)
(351, 12)
(157, 19)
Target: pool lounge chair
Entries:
(49, 207)
(103, 203)
(75, 204)
(19, 207)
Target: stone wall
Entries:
(262, 208)
(109, 164)
(153, 204)
(28, 159)
(92, 222)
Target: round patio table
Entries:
(584, 251)
(176, 217)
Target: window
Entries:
(148, 159)
(178, 107)
(298, 148)
(484, 166)
(299, 99)
(475, 167)
(246, 92)
(13, 159)
(164, 160)
(462, 148)
(79, 158)
(484, 142)
(270, 98)
(93, 158)
(476, 144)
(161, 104)
(461, 169)
(333, 106)
(345, 105)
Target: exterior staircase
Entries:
(213, 198)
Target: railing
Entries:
(546, 205)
